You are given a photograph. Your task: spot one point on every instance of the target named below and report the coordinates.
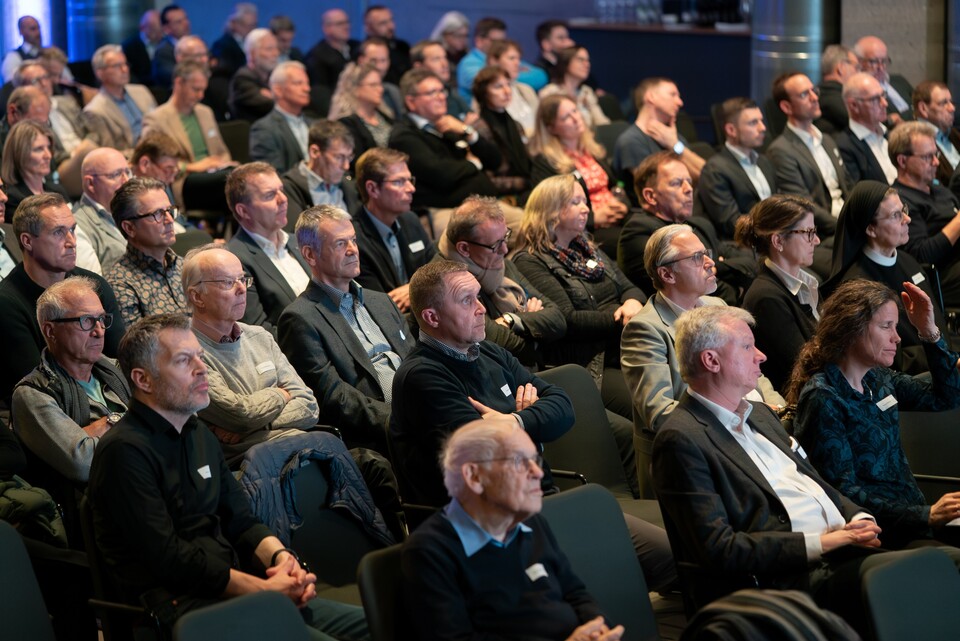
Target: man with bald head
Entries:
(328, 57)
(104, 171)
(863, 144)
(462, 566)
(875, 60)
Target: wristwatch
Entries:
(113, 418)
(468, 130)
(679, 147)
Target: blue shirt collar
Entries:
(473, 537)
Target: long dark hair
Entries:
(843, 319)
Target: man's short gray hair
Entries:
(476, 441)
(474, 211)
(252, 41)
(280, 73)
(660, 250)
(97, 61)
(192, 273)
(141, 343)
(832, 56)
(17, 79)
(703, 328)
(52, 303)
(901, 138)
(308, 225)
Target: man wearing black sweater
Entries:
(488, 563)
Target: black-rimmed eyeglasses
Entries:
(810, 233)
(160, 214)
(696, 257)
(495, 247)
(87, 321)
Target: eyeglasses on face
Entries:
(897, 215)
(927, 158)
(520, 462)
(433, 93)
(696, 257)
(876, 62)
(873, 100)
(226, 284)
(497, 246)
(809, 233)
(160, 214)
(114, 175)
(400, 183)
(87, 321)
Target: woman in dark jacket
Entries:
(557, 255)
(26, 166)
(491, 88)
(784, 298)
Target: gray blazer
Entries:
(798, 173)
(270, 293)
(328, 356)
(108, 243)
(271, 141)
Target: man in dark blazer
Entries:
(227, 55)
(796, 151)
(249, 96)
(836, 65)
(281, 137)
(780, 523)
(392, 242)
(140, 47)
(175, 25)
(328, 57)
(933, 103)
(267, 253)
(321, 178)
(346, 342)
(439, 145)
(738, 177)
(863, 143)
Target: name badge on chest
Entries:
(886, 403)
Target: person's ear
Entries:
(871, 230)
(430, 317)
(142, 380)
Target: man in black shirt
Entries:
(170, 517)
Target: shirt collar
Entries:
(87, 200)
(862, 132)
(472, 536)
(812, 137)
(382, 229)
(878, 258)
(730, 420)
(267, 245)
(473, 352)
(289, 116)
(676, 308)
(792, 283)
(314, 182)
(207, 330)
(745, 156)
(145, 262)
(337, 296)
(418, 120)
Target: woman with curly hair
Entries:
(358, 104)
(848, 402)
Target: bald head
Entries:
(865, 100)
(209, 301)
(873, 56)
(103, 171)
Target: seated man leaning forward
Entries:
(255, 394)
(170, 519)
(467, 570)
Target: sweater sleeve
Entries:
(301, 411)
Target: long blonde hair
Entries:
(344, 100)
(540, 215)
(544, 142)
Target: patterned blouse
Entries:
(853, 439)
(144, 286)
(598, 182)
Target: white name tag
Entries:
(204, 472)
(536, 571)
(416, 246)
(887, 403)
(918, 278)
(212, 133)
(403, 336)
(797, 448)
(506, 390)
(265, 366)
(591, 264)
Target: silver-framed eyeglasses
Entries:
(87, 321)
(809, 233)
(114, 175)
(696, 257)
(896, 216)
(226, 284)
(400, 183)
(520, 462)
(160, 214)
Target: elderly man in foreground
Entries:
(488, 563)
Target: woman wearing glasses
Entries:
(555, 252)
(358, 104)
(26, 165)
(848, 403)
(784, 298)
(872, 225)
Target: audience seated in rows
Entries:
(374, 51)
